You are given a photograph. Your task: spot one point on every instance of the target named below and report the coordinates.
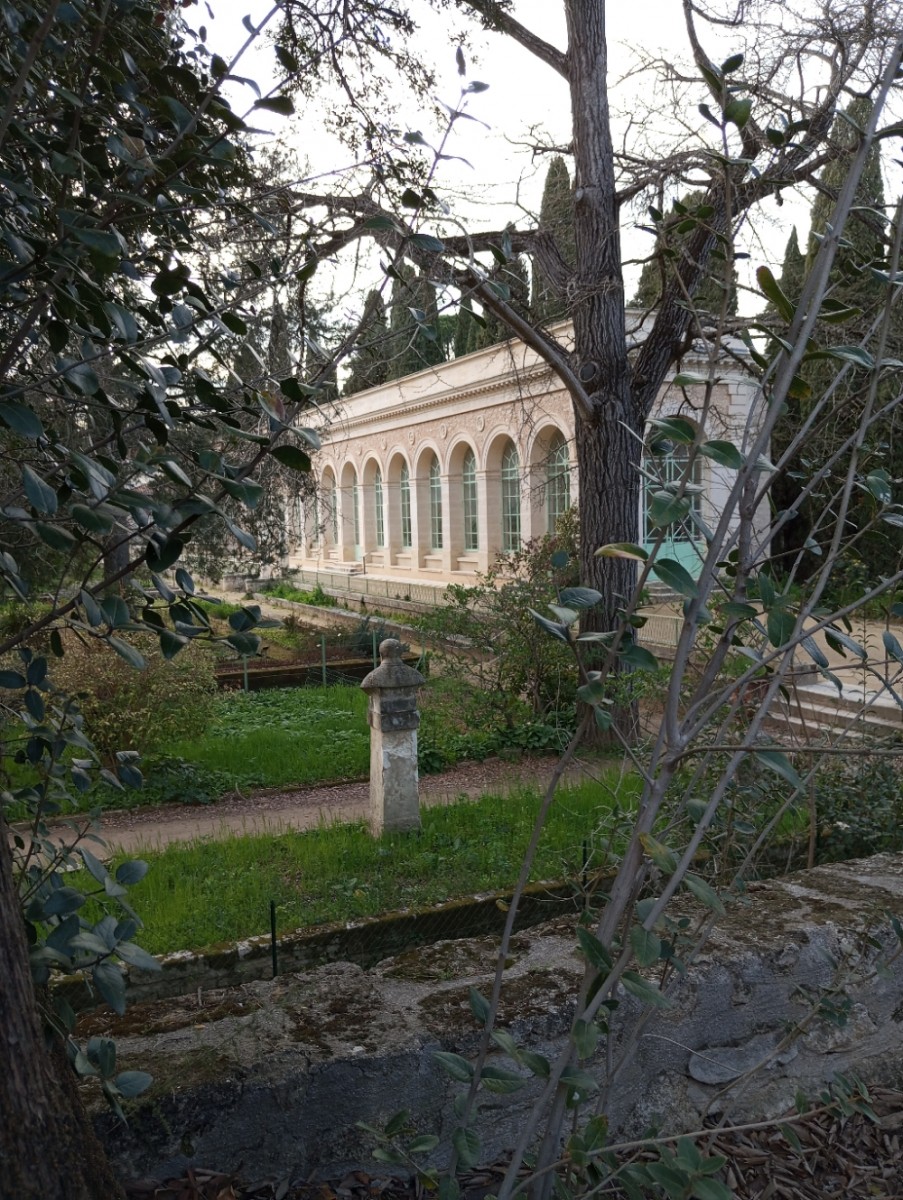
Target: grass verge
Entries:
(204, 893)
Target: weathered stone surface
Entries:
(393, 718)
(277, 1074)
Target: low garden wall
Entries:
(800, 982)
(363, 942)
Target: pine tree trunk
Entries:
(48, 1150)
(609, 443)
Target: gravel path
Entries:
(275, 811)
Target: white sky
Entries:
(523, 94)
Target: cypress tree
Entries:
(855, 288)
(793, 272)
(556, 216)
(863, 231)
(667, 259)
(464, 324)
(514, 277)
(414, 341)
(369, 359)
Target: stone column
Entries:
(393, 718)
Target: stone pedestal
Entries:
(393, 719)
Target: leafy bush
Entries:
(360, 640)
(859, 806)
(461, 723)
(171, 780)
(125, 709)
(16, 615)
(490, 639)
(316, 596)
(219, 610)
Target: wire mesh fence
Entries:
(428, 941)
(320, 660)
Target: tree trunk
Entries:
(608, 444)
(48, 1150)
(116, 559)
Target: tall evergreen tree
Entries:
(793, 272)
(556, 216)
(464, 326)
(863, 235)
(514, 278)
(414, 325)
(370, 358)
(670, 259)
(855, 289)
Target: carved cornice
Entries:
(408, 408)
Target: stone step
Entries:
(815, 731)
(837, 718)
(853, 698)
(817, 708)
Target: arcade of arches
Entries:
(434, 476)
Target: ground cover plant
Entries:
(207, 892)
(284, 737)
(287, 591)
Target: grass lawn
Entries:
(284, 736)
(199, 894)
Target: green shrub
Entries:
(360, 640)
(125, 709)
(489, 638)
(316, 596)
(16, 615)
(219, 610)
(859, 808)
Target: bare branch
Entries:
(495, 17)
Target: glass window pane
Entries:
(666, 469)
(469, 489)
(356, 512)
(558, 482)
(379, 508)
(406, 539)
(435, 505)
(510, 500)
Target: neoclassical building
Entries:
(432, 477)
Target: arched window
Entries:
(660, 470)
(379, 508)
(312, 518)
(510, 499)
(435, 505)
(334, 509)
(405, 487)
(469, 490)
(558, 481)
(355, 510)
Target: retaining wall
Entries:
(802, 978)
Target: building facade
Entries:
(431, 478)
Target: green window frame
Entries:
(406, 525)
(379, 508)
(435, 505)
(469, 496)
(510, 478)
(558, 482)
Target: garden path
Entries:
(277, 811)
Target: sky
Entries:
(525, 101)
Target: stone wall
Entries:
(276, 1075)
